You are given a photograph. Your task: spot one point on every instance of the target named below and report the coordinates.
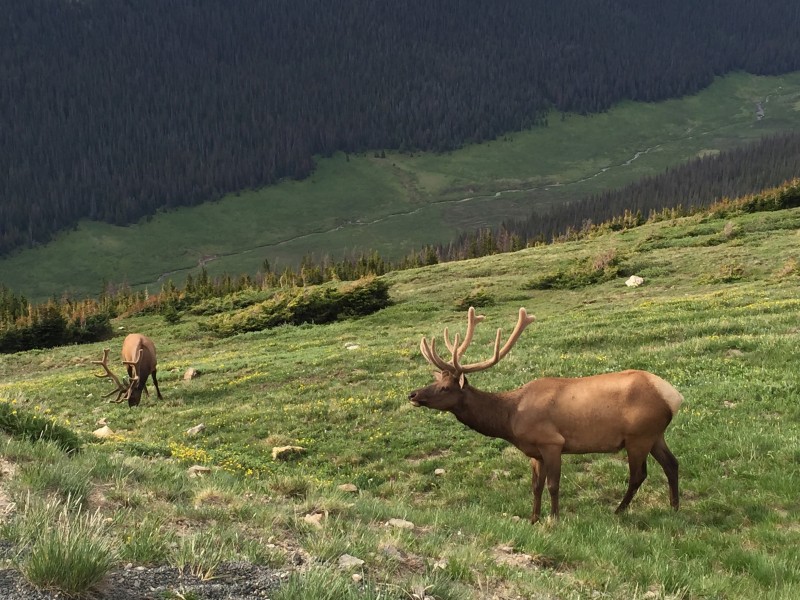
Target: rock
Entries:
(286, 452)
(634, 281)
(349, 562)
(439, 472)
(349, 488)
(352, 346)
(314, 519)
(198, 471)
(104, 432)
(357, 578)
(400, 523)
(391, 551)
(196, 429)
(191, 373)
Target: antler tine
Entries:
(472, 321)
(133, 363)
(121, 389)
(522, 322)
(429, 352)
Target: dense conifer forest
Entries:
(112, 109)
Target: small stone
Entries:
(191, 373)
(634, 281)
(439, 472)
(104, 432)
(349, 562)
(198, 471)
(400, 523)
(196, 429)
(356, 577)
(391, 551)
(314, 519)
(350, 488)
(286, 452)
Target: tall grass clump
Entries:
(63, 548)
(21, 423)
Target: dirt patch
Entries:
(430, 456)
(7, 471)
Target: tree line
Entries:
(114, 110)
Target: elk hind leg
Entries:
(637, 466)
(669, 463)
(155, 383)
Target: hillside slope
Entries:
(716, 316)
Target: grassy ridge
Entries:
(717, 317)
(403, 202)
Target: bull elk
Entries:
(139, 358)
(552, 416)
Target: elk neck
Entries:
(487, 413)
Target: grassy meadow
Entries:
(404, 201)
(717, 316)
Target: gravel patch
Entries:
(232, 581)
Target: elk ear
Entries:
(462, 381)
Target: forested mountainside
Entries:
(111, 109)
(696, 184)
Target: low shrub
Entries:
(317, 304)
(477, 299)
(603, 267)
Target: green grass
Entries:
(729, 346)
(403, 202)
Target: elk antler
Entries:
(133, 364)
(457, 350)
(121, 388)
(472, 320)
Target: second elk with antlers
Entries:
(139, 358)
(551, 416)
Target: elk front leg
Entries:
(551, 461)
(538, 478)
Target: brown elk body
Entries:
(549, 417)
(139, 358)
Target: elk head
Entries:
(447, 391)
(121, 388)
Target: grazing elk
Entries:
(139, 358)
(553, 416)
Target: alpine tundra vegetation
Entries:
(430, 507)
